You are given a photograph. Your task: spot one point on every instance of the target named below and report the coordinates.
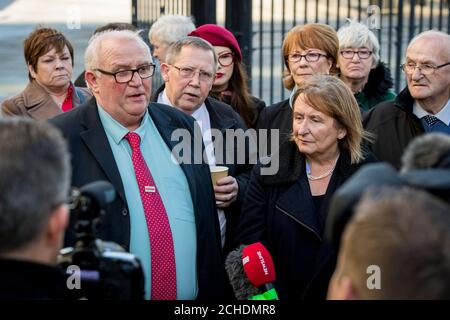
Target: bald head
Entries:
(429, 81)
(432, 35)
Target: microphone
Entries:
(251, 272)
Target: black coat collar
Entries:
(292, 165)
(379, 82)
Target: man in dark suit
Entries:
(189, 73)
(118, 72)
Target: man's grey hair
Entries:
(174, 50)
(354, 35)
(430, 150)
(34, 179)
(92, 55)
(171, 28)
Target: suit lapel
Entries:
(94, 137)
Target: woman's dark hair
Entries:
(241, 100)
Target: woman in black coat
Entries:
(287, 210)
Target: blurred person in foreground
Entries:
(427, 151)
(359, 65)
(287, 211)
(49, 58)
(395, 247)
(35, 180)
(423, 106)
(310, 49)
(230, 82)
(120, 137)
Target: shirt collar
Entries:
(443, 115)
(117, 131)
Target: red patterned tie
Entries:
(164, 280)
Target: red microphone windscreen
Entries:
(258, 264)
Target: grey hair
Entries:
(34, 179)
(426, 151)
(174, 50)
(93, 50)
(354, 34)
(171, 28)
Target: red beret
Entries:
(218, 36)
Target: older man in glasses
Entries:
(189, 73)
(164, 212)
(423, 106)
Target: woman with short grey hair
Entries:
(167, 30)
(360, 66)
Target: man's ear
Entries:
(57, 224)
(165, 71)
(91, 80)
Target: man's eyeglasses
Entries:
(188, 73)
(425, 69)
(362, 54)
(226, 59)
(309, 57)
(125, 76)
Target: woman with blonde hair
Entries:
(287, 211)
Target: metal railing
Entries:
(395, 22)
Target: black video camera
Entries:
(98, 270)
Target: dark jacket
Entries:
(377, 89)
(92, 159)
(394, 125)
(26, 280)
(279, 211)
(275, 117)
(256, 107)
(223, 118)
(36, 103)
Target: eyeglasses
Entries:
(362, 54)
(425, 69)
(125, 76)
(188, 73)
(226, 59)
(309, 57)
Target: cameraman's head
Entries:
(34, 183)
(396, 246)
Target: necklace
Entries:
(323, 175)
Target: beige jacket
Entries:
(34, 102)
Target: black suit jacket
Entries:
(92, 159)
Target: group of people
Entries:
(341, 115)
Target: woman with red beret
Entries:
(230, 84)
